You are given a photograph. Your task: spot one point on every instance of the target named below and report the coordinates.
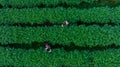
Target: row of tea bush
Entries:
(79, 35)
(58, 58)
(59, 15)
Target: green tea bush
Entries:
(106, 58)
(59, 15)
(58, 58)
(40, 58)
(54, 3)
(79, 35)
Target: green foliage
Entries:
(106, 58)
(46, 3)
(59, 15)
(40, 58)
(58, 58)
(79, 35)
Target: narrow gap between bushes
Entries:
(65, 5)
(48, 24)
(81, 5)
(71, 47)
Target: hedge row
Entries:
(54, 3)
(39, 58)
(106, 58)
(59, 15)
(58, 58)
(32, 3)
(79, 35)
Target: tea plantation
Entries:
(79, 33)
